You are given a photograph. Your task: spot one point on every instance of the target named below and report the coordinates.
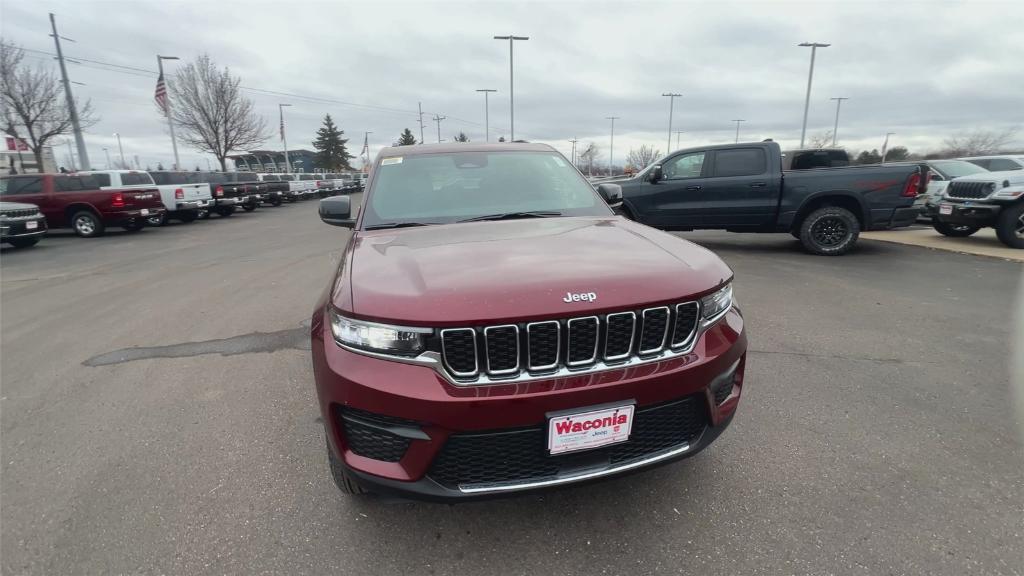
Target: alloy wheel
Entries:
(85, 225)
(829, 231)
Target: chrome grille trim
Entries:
(632, 336)
(558, 346)
(487, 352)
(476, 354)
(597, 340)
(696, 324)
(664, 335)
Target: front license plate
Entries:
(31, 225)
(144, 211)
(592, 429)
(945, 209)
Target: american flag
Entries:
(160, 96)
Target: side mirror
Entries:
(656, 174)
(337, 211)
(936, 177)
(612, 194)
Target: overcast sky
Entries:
(924, 70)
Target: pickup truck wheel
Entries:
(275, 202)
(23, 242)
(1010, 226)
(188, 216)
(341, 477)
(87, 224)
(157, 221)
(203, 214)
(135, 226)
(954, 230)
(829, 231)
(249, 207)
(226, 211)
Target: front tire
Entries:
(1010, 226)
(275, 202)
(829, 231)
(87, 224)
(249, 207)
(226, 211)
(954, 230)
(342, 479)
(23, 242)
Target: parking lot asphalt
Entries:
(157, 415)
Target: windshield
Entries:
(444, 188)
(956, 168)
(270, 178)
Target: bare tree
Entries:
(978, 142)
(820, 140)
(35, 109)
(588, 157)
(642, 157)
(208, 106)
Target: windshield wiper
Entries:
(397, 225)
(512, 216)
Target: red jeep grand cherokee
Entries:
(494, 327)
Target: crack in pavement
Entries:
(294, 338)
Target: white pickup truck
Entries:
(185, 198)
(297, 187)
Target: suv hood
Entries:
(519, 270)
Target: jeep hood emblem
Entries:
(580, 297)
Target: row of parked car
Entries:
(89, 202)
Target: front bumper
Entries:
(969, 213)
(440, 413)
(19, 227)
(230, 201)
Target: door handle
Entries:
(758, 185)
(692, 188)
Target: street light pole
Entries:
(885, 145)
(284, 139)
(810, 77)
(107, 152)
(678, 132)
(120, 150)
(611, 145)
(83, 155)
(167, 105)
(574, 141)
(511, 85)
(671, 100)
(487, 113)
(737, 121)
(835, 129)
(438, 120)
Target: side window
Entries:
(23, 185)
(986, 164)
(135, 178)
(1000, 164)
(684, 166)
(75, 183)
(741, 162)
(101, 179)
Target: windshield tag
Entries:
(387, 161)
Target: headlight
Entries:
(714, 306)
(404, 341)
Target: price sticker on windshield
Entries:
(388, 161)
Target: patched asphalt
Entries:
(157, 415)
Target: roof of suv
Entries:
(447, 148)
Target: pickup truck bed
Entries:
(742, 188)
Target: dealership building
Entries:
(273, 161)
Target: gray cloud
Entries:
(924, 71)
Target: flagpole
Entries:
(167, 105)
(287, 163)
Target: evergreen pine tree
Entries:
(406, 139)
(331, 153)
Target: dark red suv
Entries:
(494, 327)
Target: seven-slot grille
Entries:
(576, 343)
(970, 189)
(20, 213)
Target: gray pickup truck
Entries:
(743, 188)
